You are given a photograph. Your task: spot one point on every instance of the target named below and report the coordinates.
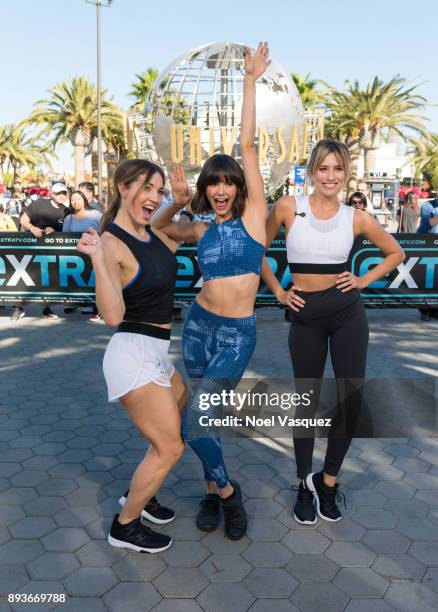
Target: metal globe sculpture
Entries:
(193, 111)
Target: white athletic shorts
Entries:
(133, 360)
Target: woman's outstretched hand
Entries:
(182, 194)
(256, 65)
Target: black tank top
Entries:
(148, 296)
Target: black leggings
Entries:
(335, 319)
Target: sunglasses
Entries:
(61, 193)
(357, 203)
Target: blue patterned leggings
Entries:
(216, 351)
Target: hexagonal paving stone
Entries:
(99, 554)
(399, 567)
(185, 554)
(29, 478)
(421, 481)
(263, 508)
(395, 489)
(20, 552)
(401, 450)
(33, 527)
(386, 472)
(273, 583)
(306, 542)
(406, 508)
(183, 529)
(386, 541)
(322, 597)
(418, 529)
(182, 605)
(56, 486)
(79, 516)
(10, 515)
(259, 490)
(40, 463)
(412, 464)
(65, 539)
(225, 568)
(79, 604)
(139, 568)
(9, 469)
(180, 582)
(52, 566)
(217, 543)
(267, 554)
(216, 598)
(85, 496)
(431, 579)
(372, 498)
(266, 530)
(45, 506)
(312, 568)
(125, 597)
(406, 597)
(363, 605)
(90, 581)
(425, 552)
(375, 518)
(12, 578)
(350, 554)
(361, 582)
(343, 531)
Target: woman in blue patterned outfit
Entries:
(220, 334)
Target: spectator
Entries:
(362, 187)
(15, 206)
(81, 216)
(408, 214)
(6, 222)
(87, 189)
(357, 200)
(429, 225)
(42, 217)
(429, 217)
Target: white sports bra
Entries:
(319, 246)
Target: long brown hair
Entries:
(217, 167)
(126, 173)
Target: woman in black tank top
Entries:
(135, 269)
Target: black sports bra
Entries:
(148, 296)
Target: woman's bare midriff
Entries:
(164, 325)
(314, 282)
(233, 296)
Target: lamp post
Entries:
(98, 4)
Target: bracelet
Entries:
(187, 213)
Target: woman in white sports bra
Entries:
(326, 312)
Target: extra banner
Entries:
(50, 269)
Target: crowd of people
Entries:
(44, 211)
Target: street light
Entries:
(98, 4)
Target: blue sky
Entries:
(46, 41)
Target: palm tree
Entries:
(18, 150)
(365, 115)
(141, 88)
(70, 115)
(425, 157)
(307, 88)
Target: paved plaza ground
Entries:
(66, 455)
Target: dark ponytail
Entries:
(126, 173)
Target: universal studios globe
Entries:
(193, 111)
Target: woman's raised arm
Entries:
(254, 67)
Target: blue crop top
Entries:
(227, 249)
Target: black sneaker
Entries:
(326, 497)
(153, 511)
(138, 537)
(304, 511)
(207, 518)
(235, 521)
(49, 314)
(17, 314)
